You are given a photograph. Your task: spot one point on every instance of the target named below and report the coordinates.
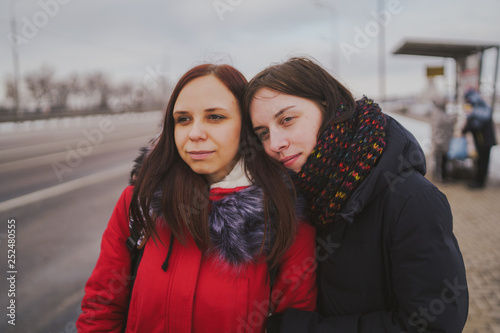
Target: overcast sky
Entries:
(132, 39)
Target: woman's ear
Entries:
(322, 106)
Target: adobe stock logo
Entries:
(29, 29)
(222, 6)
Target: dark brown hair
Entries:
(184, 193)
(304, 78)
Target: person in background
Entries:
(214, 224)
(480, 124)
(387, 257)
(443, 125)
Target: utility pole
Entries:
(15, 57)
(381, 54)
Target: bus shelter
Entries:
(468, 59)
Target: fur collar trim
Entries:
(236, 224)
(237, 227)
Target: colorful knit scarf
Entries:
(343, 157)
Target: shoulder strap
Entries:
(135, 256)
(273, 272)
(135, 253)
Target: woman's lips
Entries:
(289, 160)
(200, 155)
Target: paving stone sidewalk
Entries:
(476, 216)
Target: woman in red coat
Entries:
(220, 216)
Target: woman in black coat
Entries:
(480, 124)
(387, 257)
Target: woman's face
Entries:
(207, 127)
(287, 126)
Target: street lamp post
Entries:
(381, 54)
(15, 57)
(335, 32)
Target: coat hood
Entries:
(473, 97)
(401, 157)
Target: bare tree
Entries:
(61, 91)
(122, 94)
(39, 84)
(162, 92)
(90, 91)
(10, 90)
(98, 87)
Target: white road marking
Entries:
(66, 187)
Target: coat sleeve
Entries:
(105, 303)
(295, 285)
(429, 288)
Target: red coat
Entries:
(195, 294)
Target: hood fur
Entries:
(237, 226)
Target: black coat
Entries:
(484, 135)
(392, 263)
(480, 121)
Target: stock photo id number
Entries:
(11, 271)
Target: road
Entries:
(60, 182)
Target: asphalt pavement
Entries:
(61, 179)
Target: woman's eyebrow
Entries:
(276, 116)
(215, 108)
(211, 109)
(179, 112)
(280, 112)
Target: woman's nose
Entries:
(278, 141)
(197, 132)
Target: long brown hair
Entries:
(302, 77)
(184, 204)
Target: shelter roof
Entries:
(441, 49)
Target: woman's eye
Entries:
(263, 135)
(286, 120)
(181, 119)
(216, 117)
